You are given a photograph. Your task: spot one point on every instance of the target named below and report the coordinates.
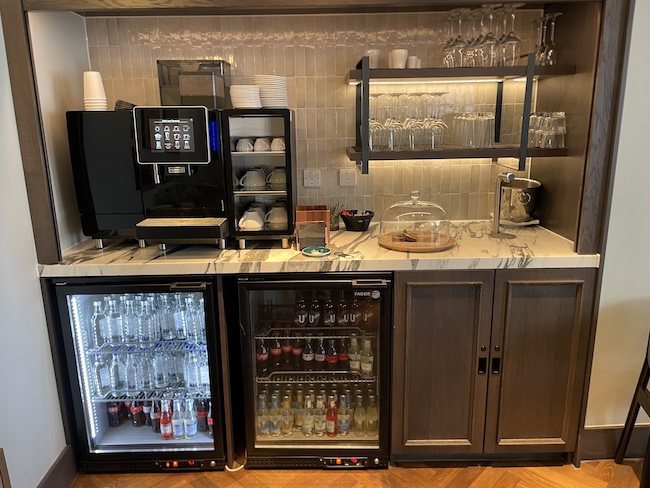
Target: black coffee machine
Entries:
(154, 174)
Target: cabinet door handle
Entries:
(482, 365)
(496, 365)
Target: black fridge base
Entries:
(215, 464)
(315, 462)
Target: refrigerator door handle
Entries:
(377, 283)
(189, 286)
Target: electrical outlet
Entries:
(348, 177)
(312, 177)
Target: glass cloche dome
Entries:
(415, 226)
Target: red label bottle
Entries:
(166, 421)
(331, 417)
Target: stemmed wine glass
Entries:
(511, 43)
(550, 50)
(541, 41)
(448, 58)
(490, 42)
(459, 44)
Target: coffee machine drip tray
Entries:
(183, 230)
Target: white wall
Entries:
(31, 430)
(60, 53)
(624, 312)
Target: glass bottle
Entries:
(359, 417)
(156, 410)
(368, 312)
(372, 416)
(344, 357)
(287, 417)
(173, 378)
(131, 376)
(314, 315)
(308, 356)
(180, 327)
(331, 417)
(166, 421)
(204, 371)
(320, 356)
(263, 420)
(355, 312)
(115, 324)
(354, 354)
(299, 410)
(102, 376)
(202, 415)
(308, 417)
(99, 326)
(275, 418)
(262, 358)
(167, 326)
(342, 312)
(138, 418)
(145, 328)
(343, 417)
(192, 321)
(192, 371)
(286, 353)
(301, 311)
(296, 352)
(160, 370)
(130, 322)
(320, 417)
(113, 411)
(329, 312)
(178, 423)
(190, 421)
(367, 357)
(332, 357)
(117, 375)
(201, 334)
(275, 353)
(210, 419)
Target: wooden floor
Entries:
(592, 474)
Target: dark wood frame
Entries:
(601, 140)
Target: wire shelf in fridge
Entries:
(317, 377)
(149, 347)
(169, 393)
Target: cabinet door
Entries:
(441, 322)
(539, 348)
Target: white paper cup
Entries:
(412, 62)
(93, 85)
(373, 54)
(399, 57)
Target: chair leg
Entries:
(645, 473)
(631, 416)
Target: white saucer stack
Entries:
(245, 96)
(273, 90)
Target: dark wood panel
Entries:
(194, 7)
(541, 325)
(30, 135)
(599, 168)
(558, 206)
(63, 472)
(441, 321)
(601, 442)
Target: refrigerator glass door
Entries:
(143, 372)
(316, 349)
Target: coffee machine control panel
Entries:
(172, 135)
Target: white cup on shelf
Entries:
(399, 58)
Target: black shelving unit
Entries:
(362, 75)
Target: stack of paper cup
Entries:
(94, 94)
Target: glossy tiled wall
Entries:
(315, 53)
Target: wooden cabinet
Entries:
(489, 362)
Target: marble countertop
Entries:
(533, 247)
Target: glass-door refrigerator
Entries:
(316, 364)
(141, 361)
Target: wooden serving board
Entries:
(387, 241)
